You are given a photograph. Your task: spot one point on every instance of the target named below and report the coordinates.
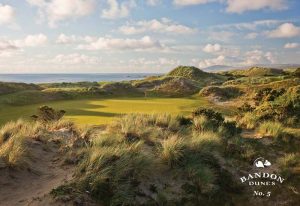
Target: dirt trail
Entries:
(28, 187)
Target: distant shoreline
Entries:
(37, 78)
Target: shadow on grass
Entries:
(82, 112)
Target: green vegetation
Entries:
(256, 72)
(180, 139)
(221, 93)
(13, 137)
(7, 88)
(102, 111)
(119, 163)
(193, 73)
(271, 129)
(176, 87)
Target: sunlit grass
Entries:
(103, 111)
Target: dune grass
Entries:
(269, 128)
(13, 138)
(103, 111)
(143, 154)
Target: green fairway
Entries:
(102, 111)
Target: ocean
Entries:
(57, 78)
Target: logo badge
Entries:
(262, 163)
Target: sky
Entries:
(145, 36)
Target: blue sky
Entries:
(63, 36)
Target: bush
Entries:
(268, 94)
(183, 121)
(48, 114)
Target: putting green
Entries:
(102, 111)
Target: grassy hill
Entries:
(195, 74)
(257, 72)
(11, 87)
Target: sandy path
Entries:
(23, 187)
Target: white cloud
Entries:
(159, 26)
(59, 10)
(75, 58)
(251, 35)
(167, 61)
(249, 25)
(105, 43)
(240, 6)
(223, 36)
(37, 2)
(30, 41)
(270, 57)
(258, 57)
(220, 60)
(191, 2)
(35, 40)
(157, 62)
(7, 14)
(286, 30)
(7, 48)
(7, 45)
(72, 39)
(64, 39)
(153, 2)
(291, 45)
(117, 10)
(248, 58)
(212, 48)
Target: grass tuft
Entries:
(271, 129)
(172, 150)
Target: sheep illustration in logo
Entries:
(262, 163)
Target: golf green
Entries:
(102, 111)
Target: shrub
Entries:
(183, 121)
(48, 114)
